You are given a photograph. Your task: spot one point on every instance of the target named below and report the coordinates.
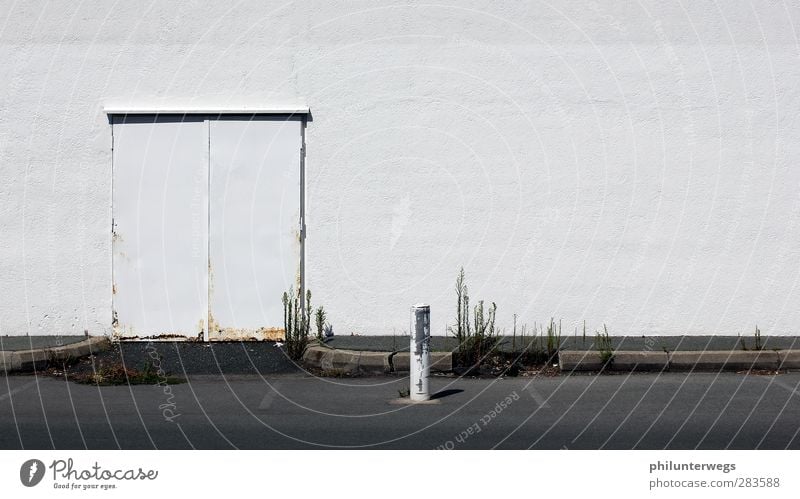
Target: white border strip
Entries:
(163, 473)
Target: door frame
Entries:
(208, 115)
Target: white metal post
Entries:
(420, 352)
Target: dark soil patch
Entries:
(511, 364)
(108, 369)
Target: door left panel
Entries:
(160, 226)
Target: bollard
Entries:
(420, 353)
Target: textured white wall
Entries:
(629, 164)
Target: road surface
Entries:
(640, 411)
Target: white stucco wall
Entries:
(635, 165)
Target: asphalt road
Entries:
(642, 411)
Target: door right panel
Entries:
(254, 231)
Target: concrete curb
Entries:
(790, 359)
(622, 361)
(722, 360)
(357, 361)
(40, 358)
(367, 362)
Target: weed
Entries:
(117, 374)
(535, 351)
(296, 323)
(483, 338)
(477, 338)
(531, 351)
(404, 392)
(461, 329)
(553, 339)
(603, 343)
(320, 317)
(514, 336)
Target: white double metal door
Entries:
(206, 225)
